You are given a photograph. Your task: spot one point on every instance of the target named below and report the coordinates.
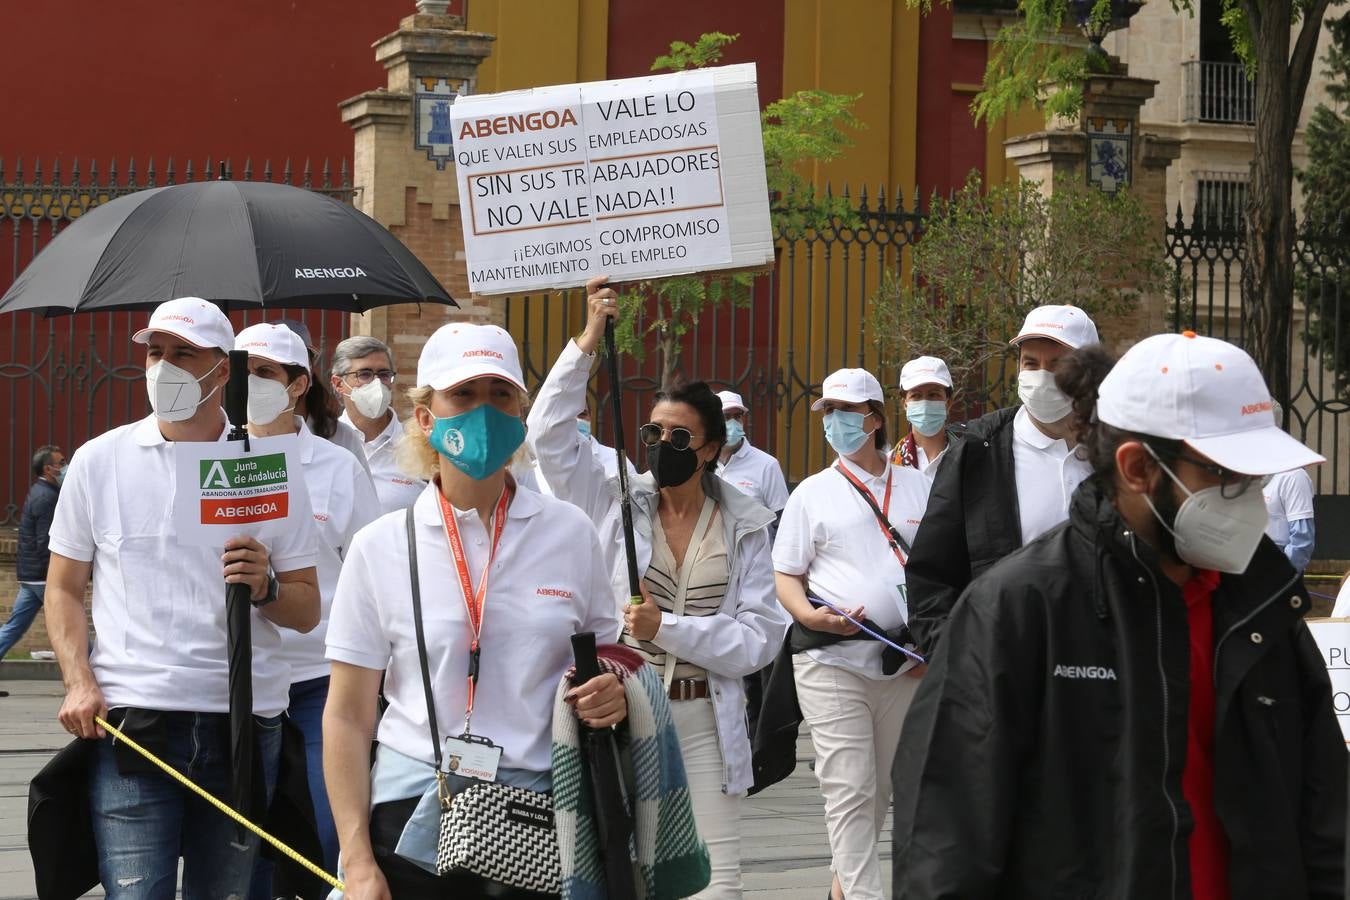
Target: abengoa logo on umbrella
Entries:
(249, 489)
(349, 272)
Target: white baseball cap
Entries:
(191, 319)
(731, 400)
(1067, 325)
(924, 370)
(1205, 392)
(849, 386)
(462, 351)
(274, 342)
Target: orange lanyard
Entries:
(880, 512)
(475, 602)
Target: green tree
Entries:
(810, 126)
(1326, 188)
(1277, 40)
(986, 259)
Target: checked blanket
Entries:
(672, 860)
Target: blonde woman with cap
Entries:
(1006, 481)
(343, 501)
(927, 386)
(1138, 709)
(844, 539)
(708, 617)
(506, 577)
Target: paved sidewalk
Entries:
(785, 851)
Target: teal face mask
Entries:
(735, 432)
(844, 431)
(926, 416)
(584, 427)
(478, 442)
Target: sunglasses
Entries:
(651, 434)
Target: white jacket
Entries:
(746, 633)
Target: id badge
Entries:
(472, 757)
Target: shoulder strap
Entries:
(421, 637)
(876, 511)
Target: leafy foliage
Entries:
(809, 127)
(986, 259)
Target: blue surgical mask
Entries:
(61, 474)
(844, 431)
(584, 427)
(478, 442)
(926, 416)
(735, 432)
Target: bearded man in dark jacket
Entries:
(1137, 710)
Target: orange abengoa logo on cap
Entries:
(1047, 325)
(1252, 408)
(178, 317)
(492, 354)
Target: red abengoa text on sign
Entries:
(263, 508)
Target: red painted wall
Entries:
(950, 144)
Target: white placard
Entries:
(638, 178)
(223, 491)
(1333, 639)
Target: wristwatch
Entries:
(271, 594)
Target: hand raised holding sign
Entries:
(602, 304)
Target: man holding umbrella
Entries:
(159, 668)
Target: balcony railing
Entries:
(1219, 92)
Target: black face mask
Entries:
(671, 467)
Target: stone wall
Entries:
(36, 638)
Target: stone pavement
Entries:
(785, 850)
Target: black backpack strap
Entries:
(881, 516)
(421, 637)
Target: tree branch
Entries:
(1302, 59)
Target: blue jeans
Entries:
(306, 711)
(144, 823)
(26, 607)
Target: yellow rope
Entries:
(220, 805)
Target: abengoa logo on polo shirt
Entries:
(1095, 672)
(345, 272)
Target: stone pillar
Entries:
(411, 189)
(1104, 147)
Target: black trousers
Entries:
(408, 881)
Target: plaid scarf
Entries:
(671, 859)
(906, 453)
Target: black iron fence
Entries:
(68, 378)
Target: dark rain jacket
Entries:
(972, 522)
(34, 523)
(1042, 757)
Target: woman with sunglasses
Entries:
(506, 577)
(708, 616)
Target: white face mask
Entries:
(268, 400)
(371, 400)
(1213, 532)
(1042, 397)
(174, 393)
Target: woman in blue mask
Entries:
(707, 616)
(506, 577)
(844, 540)
(927, 386)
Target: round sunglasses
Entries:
(651, 435)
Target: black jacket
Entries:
(1044, 759)
(972, 522)
(34, 523)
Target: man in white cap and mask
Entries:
(927, 386)
(1138, 709)
(1289, 502)
(1008, 480)
(159, 670)
(746, 467)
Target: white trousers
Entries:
(855, 727)
(716, 815)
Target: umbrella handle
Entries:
(625, 494)
(583, 654)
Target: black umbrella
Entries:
(237, 243)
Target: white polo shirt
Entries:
(343, 501)
(1289, 498)
(159, 606)
(396, 488)
(1046, 473)
(548, 582)
(829, 534)
(756, 474)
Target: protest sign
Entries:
(638, 178)
(223, 491)
(1333, 639)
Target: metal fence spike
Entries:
(248, 168)
(286, 173)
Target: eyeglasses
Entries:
(1231, 484)
(651, 434)
(366, 376)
